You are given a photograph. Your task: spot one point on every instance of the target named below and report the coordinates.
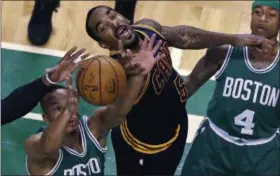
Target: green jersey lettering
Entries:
(246, 101)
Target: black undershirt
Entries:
(22, 100)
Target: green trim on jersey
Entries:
(246, 102)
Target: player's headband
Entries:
(271, 3)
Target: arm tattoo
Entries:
(187, 37)
(206, 67)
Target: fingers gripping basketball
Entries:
(101, 80)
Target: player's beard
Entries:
(73, 133)
(133, 43)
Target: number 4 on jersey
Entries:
(245, 119)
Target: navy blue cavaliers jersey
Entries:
(155, 121)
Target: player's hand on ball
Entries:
(66, 66)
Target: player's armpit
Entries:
(188, 37)
(205, 68)
(36, 151)
(110, 116)
(152, 23)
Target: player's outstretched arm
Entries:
(26, 97)
(205, 68)
(188, 37)
(45, 145)
(110, 116)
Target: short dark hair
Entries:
(51, 89)
(89, 29)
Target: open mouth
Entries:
(73, 122)
(122, 32)
(261, 28)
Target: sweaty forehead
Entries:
(56, 95)
(265, 7)
(59, 92)
(97, 16)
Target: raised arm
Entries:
(45, 145)
(205, 68)
(110, 116)
(188, 37)
(26, 97)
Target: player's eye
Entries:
(101, 28)
(114, 15)
(257, 11)
(273, 14)
(57, 108)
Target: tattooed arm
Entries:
(206, 67)
(188, 37)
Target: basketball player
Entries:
(75, 145)
(155, 130)
(239, 136)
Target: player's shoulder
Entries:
(149, 23)
(149, 27)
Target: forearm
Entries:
(205, 68)
(188, 37)
(116, 112)
(192, 85)
(22, 100)
(126, 8)
(52, 137)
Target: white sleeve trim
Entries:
(226, 60)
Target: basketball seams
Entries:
(100, 81)
(116, 75)
(82, 86)
(113, 79)
(79, 82)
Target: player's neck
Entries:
(73, 141)
(135, 48)
(270, 55)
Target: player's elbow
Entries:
(47, 150)
(35, 149)
(177, 36)
(118, 115)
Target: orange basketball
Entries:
(101, 80)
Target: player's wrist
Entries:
(233, 39)
(48, 81)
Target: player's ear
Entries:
(45, 118)
(103, 45)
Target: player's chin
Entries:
(72, 128)
(262, 33)
(130, 42)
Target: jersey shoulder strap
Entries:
(147, 31)
(225, 63)
(90, 136)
